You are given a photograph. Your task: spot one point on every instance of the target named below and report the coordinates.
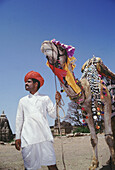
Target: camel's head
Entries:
(55, 52)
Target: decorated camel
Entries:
(90, 93)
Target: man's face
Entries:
(29, 85)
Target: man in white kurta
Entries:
(33, 133)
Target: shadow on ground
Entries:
(107, 167)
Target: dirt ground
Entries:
(77, 154)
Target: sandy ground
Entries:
(77, 154)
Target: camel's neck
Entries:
(71, 80)
(72, 86)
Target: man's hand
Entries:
(57, 97)
(18, 144)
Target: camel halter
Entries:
(59, 105)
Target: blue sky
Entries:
(88, 25)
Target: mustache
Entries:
(26, 85)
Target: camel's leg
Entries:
(113, 128)
(94, 142)
(108, 130)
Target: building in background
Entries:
(6, 134)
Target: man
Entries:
(33, 134)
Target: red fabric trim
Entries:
(58, 72)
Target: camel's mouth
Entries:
(50, 61)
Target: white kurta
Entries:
(31, 121)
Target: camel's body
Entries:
(57, 56)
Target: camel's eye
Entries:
(47, 50)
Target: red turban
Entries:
(34, 75)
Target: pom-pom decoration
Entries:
(98, 113)
(97, 127)
(95, 117)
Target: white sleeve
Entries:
(19, 120)
(51, 108)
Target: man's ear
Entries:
(36, 84)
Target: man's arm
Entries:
(52, 108)
(57, 97)
(19, 125)
(18, 144)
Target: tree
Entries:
(74, 115)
